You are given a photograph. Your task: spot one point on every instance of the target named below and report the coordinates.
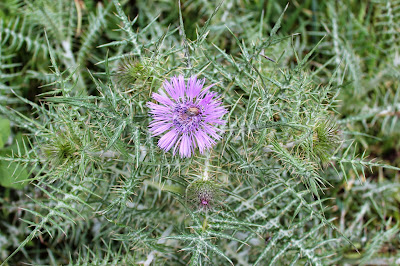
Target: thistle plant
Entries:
(197, 133)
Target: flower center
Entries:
(204, 202)
(187, 117)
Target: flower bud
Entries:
(203, 194)
(130, 71)
(63, 149)
(325, 139)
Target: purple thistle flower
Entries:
(188, 113)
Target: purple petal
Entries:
(159, 129)
(207, 99)
(205, 90)
(155, 108)
(182, 86)
(203, 141)
(191, 87)
(169, 88)
(162, 99)
(210, 130)
(194, 87)
(167, 141)
(179, 87)
(185, 148)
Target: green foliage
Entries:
(83, 181)
(11, 175)
(5, 131)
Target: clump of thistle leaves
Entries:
(105, 185)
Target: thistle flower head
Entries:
(203, 194)
(188, 115)
(63, 149)
(325, 139)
